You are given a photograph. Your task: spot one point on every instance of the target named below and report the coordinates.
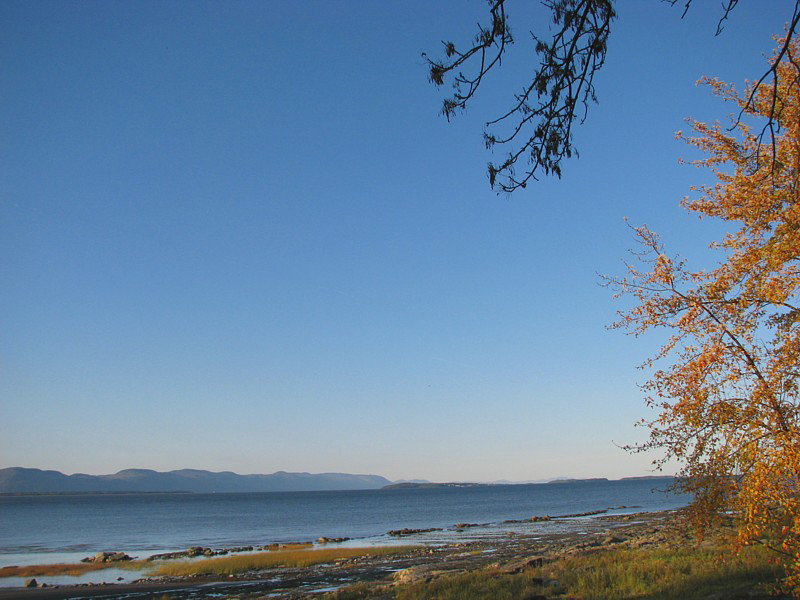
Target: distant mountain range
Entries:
(19, 480)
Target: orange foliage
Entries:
(725, 384)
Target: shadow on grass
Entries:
(659, 574)
(754, 583)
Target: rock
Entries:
(416, 574)
(168, 556)
(31, 583)
(612, 539)
(539, 519)
(465, 525)
(407, 531)
(105, 557)
(583, 514)
(195, 551)
(520, 565)
(336, 540)
(271, 547)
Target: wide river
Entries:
(46, 529)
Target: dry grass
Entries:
(232, 565)
(673, 573)
(676, 573)
(67, 568)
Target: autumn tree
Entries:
(725, 384)
(537, 126)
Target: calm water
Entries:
(37, 529)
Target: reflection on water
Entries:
(104, 576)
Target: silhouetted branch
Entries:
(543, 113)
(538, 126)
(496, 36)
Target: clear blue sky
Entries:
(237, 236)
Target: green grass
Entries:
(232, 565)
(658, 574)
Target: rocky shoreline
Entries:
(511, 553)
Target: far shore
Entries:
(242, 484)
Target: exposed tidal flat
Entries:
(482, 521)
(644, 555)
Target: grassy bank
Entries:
(293, 555)
(238, 564)
(67, 568)
(654, 573)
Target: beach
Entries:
(369, 535)
(508, 552)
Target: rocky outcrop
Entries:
(407, 531)
(612, 539)
(418, 574)
(544, 518)
(168, 555)
(518, 566)
(590, 513)
(107, 557)
(195, 551)
(468, 525)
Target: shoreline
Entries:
(425, 535)
(432, 533)
(501, 548)
(141, 525)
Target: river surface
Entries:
(65, 528)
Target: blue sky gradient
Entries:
(238, 236)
